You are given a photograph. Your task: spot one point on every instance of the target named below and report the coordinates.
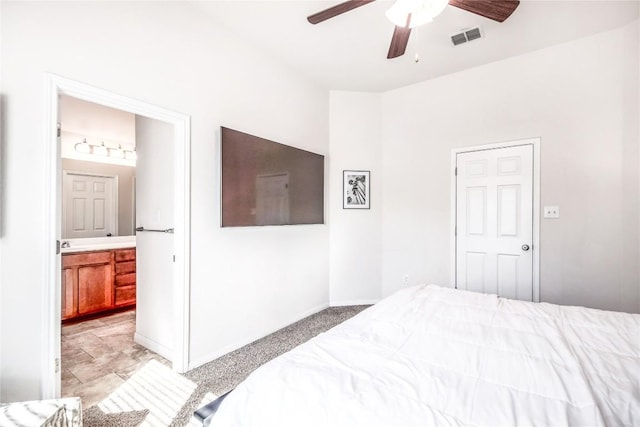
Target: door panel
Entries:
(508, 276)
(508, 210)
(476, 210)
(474, 276)
(494, 219)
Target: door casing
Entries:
(535, 142)
(52, 217)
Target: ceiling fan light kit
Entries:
(415, 12)
(408, 14)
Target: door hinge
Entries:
(57, 365)
(174, 258)
(456, 171)
(57, 247)
(58, 132)
(455, 231)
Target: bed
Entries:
(429, 355)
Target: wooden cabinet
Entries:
(125, 277)
(94, 282)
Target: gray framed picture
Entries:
(356, 186)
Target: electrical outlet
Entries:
(552, 212)
(405, 279)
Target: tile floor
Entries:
(99, 355)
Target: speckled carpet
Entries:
(156, 396)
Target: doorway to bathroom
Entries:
(79, 271)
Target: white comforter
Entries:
(436, 356)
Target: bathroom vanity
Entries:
(96, 279)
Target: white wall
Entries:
(355, 234)
(580, 98)
(81, 120)
(164, 54)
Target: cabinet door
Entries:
(95, 288)
(68, 294)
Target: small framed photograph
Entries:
(356, 186)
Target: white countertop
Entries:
(98, 244)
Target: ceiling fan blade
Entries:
(399, 42)
(498, 10)
(336, 10)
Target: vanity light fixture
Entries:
(102, 150)
(116, 153)
(131, 155)
(83, 147)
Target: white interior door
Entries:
(155, 249)
(89, 206)
(494, 220)
(272, 201)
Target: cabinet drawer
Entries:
(126, 295)
(125, 267)
(88, 258)
(126, 279)
(125, 254)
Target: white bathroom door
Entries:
(154, 246)
(89, 206)
(494, 221)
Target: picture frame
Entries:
(356, 189)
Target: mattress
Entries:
(437, 356)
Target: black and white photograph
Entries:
(355, 189)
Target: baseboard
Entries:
(354, 302)
(153, 346)
(240, 343)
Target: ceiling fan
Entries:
(408, 14)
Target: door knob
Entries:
(525, 247)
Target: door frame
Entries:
(114, 197)
(535, 246)
(54, 87)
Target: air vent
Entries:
(466, 36)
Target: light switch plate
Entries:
(552, 212)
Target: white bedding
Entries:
(437, 356)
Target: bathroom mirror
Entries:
(98, 199)
(98, 159)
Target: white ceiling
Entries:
(349, 52)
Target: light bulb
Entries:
(83, 147)
(100, 150)
(131, 155)
(116, 153)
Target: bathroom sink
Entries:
(97, 244)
